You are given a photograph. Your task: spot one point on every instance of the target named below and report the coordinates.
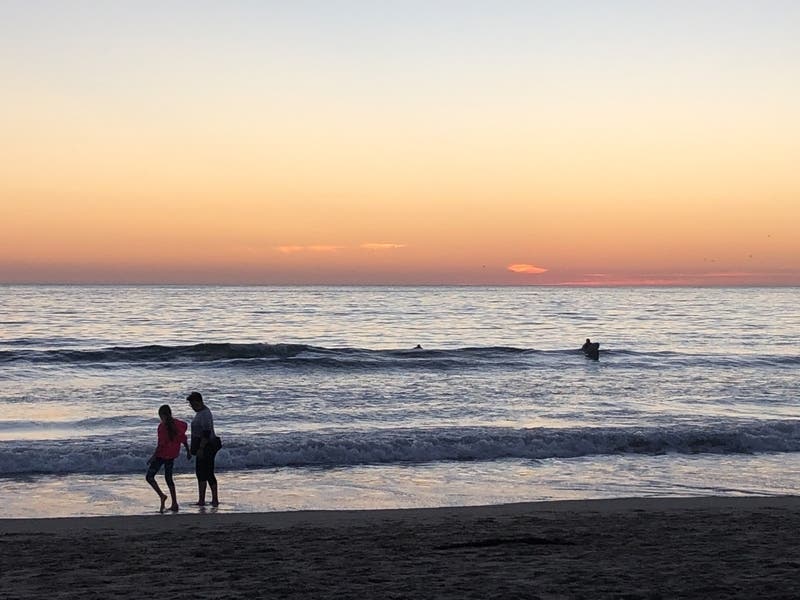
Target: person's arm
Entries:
(182, 427)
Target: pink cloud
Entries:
(526, 269)
(372, 246)
(323, 248)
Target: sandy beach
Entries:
(627, 548)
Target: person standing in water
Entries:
(205, 445)
(591, 349)
(171, 434)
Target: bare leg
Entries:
(174, 506)
(214, 495)
(171, 486)
(201, 493)
(161, 495)
(212, 481)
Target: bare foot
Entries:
(163, 504)
(174, 508)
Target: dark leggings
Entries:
(155, 466)
(204, 466)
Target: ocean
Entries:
(324, 401)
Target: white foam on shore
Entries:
(418, 486)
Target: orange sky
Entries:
(466, 152)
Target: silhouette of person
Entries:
(591, 349)
(205, 445)
(171, 434)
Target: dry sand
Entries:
(630, 548)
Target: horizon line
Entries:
(399, 285)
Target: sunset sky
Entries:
(407, 142)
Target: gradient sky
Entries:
(502, 142)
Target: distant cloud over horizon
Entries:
(526, 269)
(374, 246)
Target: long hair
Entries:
(165, 412)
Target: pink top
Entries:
(170, 448)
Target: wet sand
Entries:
(628, 548)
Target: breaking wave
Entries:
(387, 446)
(301, 355)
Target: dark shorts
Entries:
(204, 466)
(155, 467)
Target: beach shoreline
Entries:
(700, 547)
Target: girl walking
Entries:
(171, 434)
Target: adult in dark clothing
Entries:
(204, 446)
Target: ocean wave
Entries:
(13, 425)
(350, 448)
(265, 355)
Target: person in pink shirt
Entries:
(171, 434)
